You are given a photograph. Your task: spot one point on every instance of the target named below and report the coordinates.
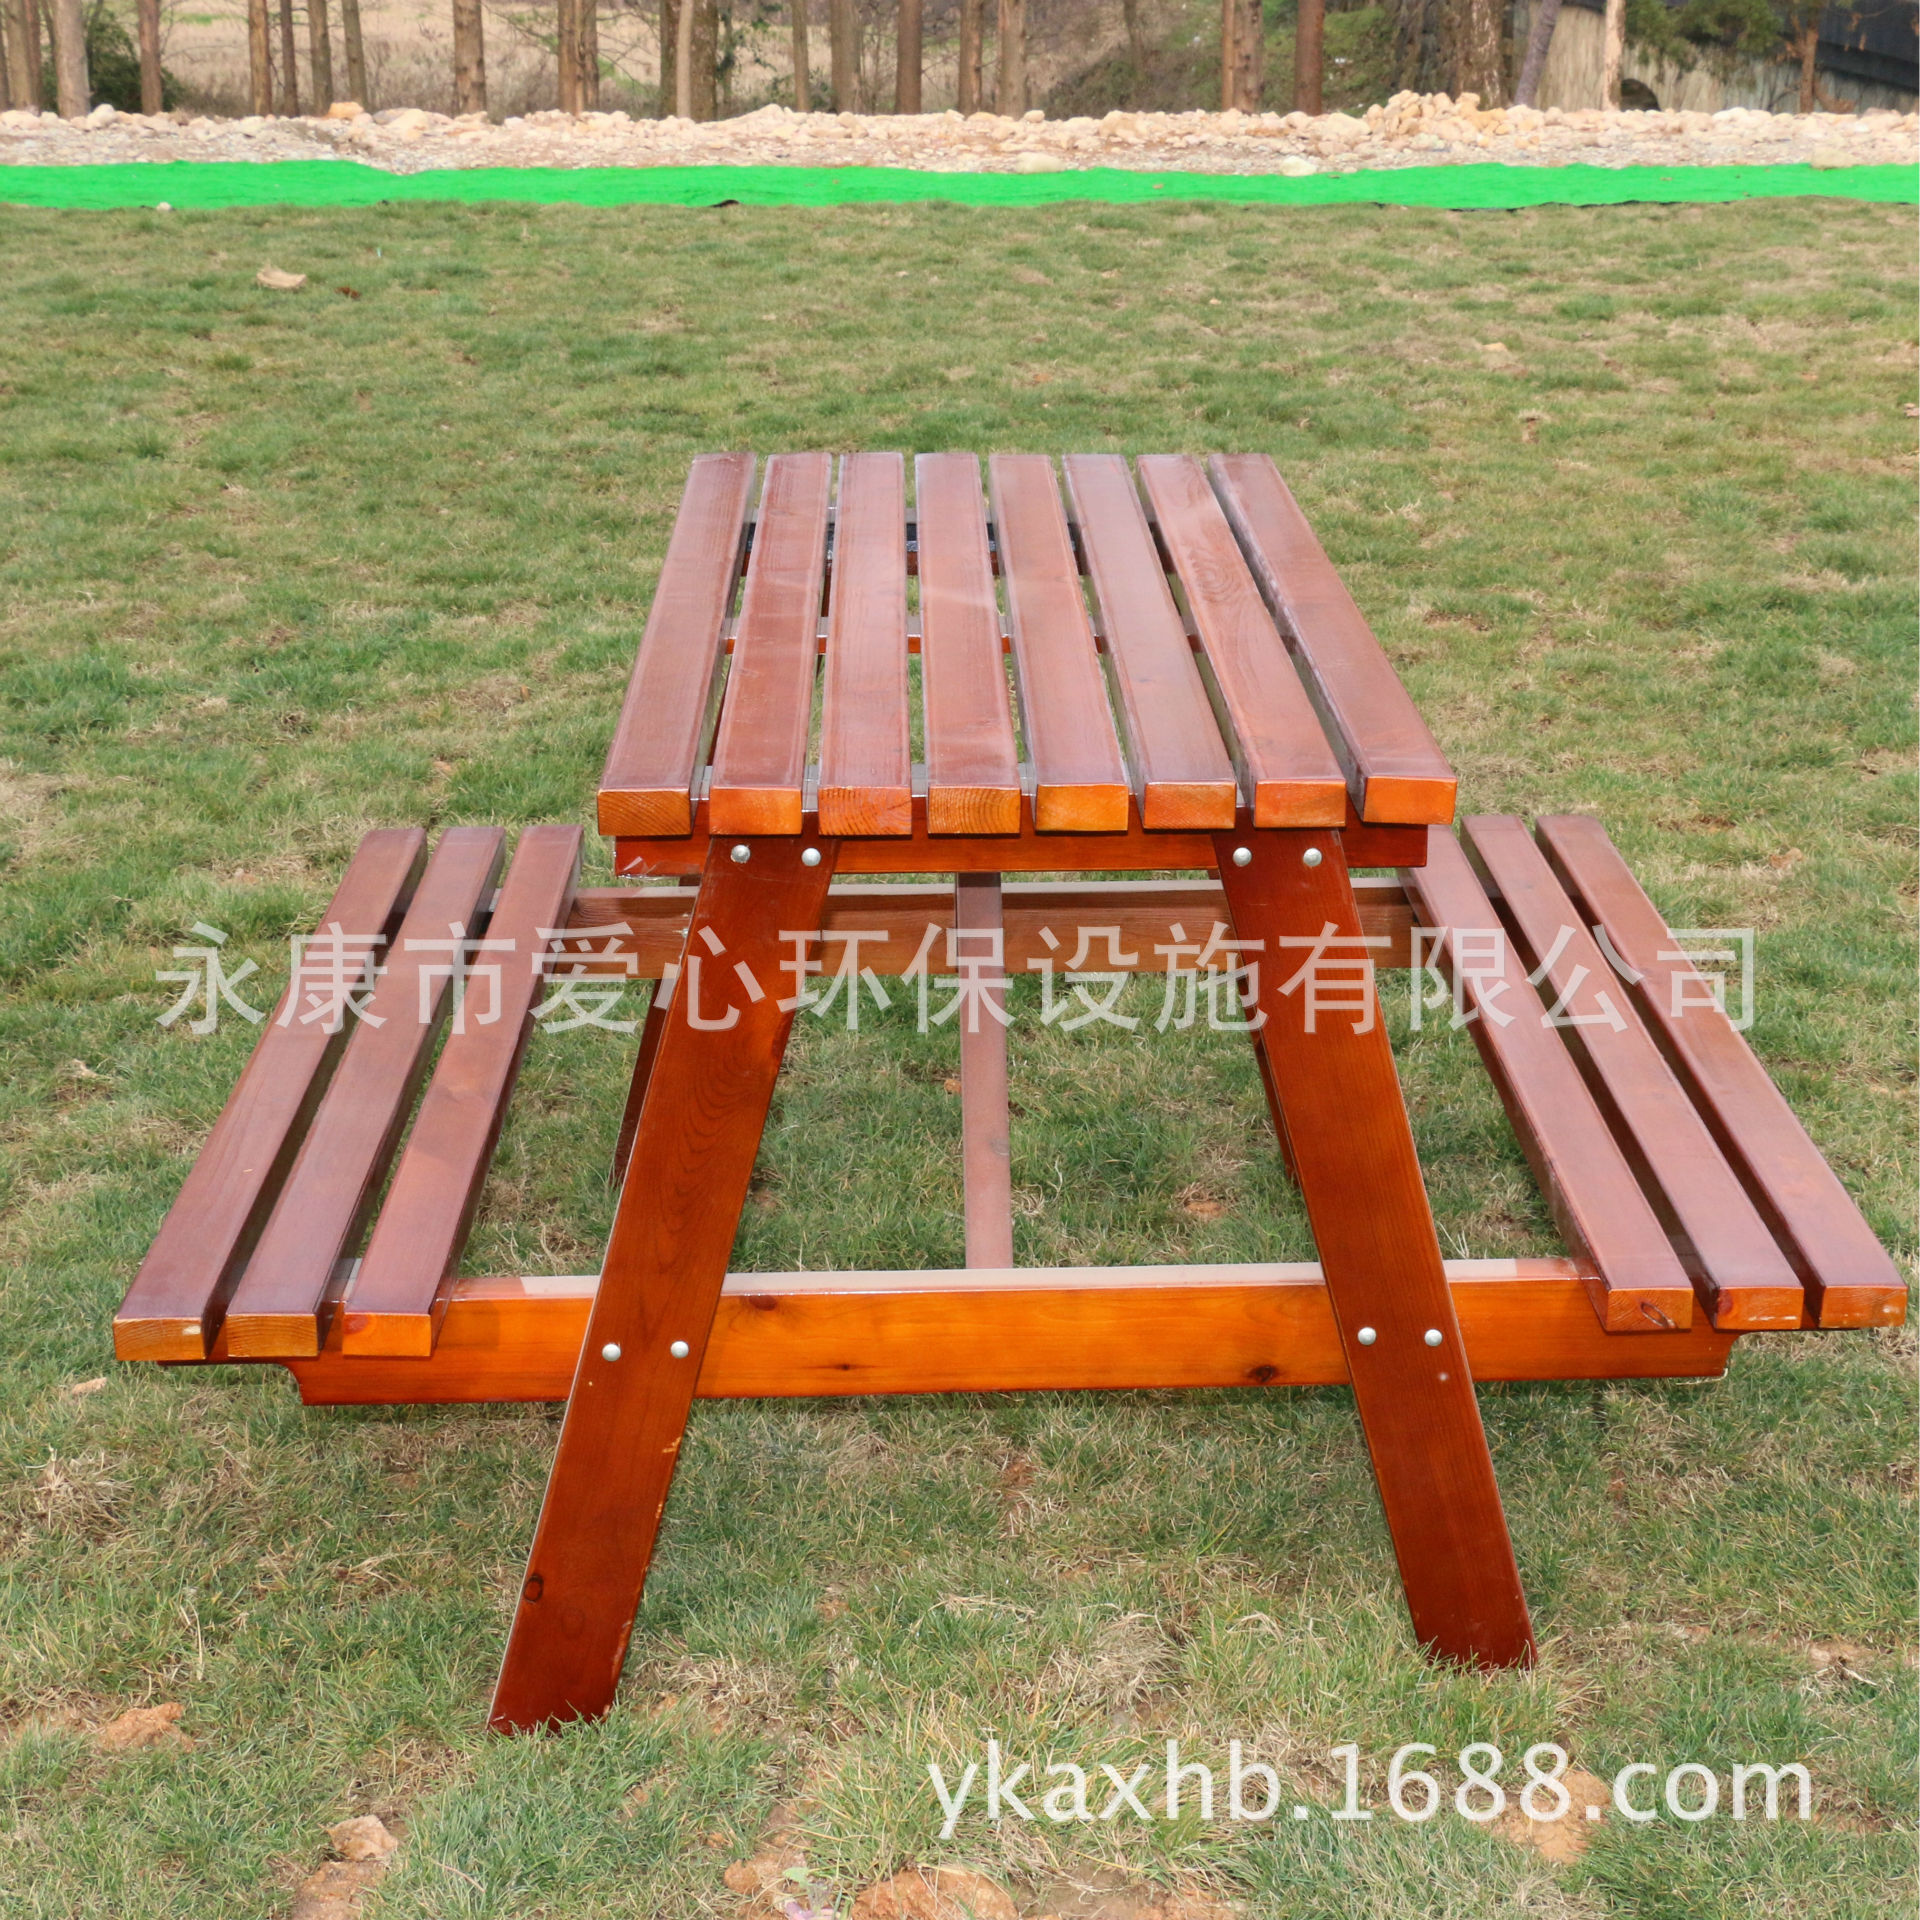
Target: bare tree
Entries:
(357, 88)
(152, 84)
(259, 57)
(1309, 56)
(1242, 55)
(906, 72)
(72, 90)
(1136, 40)
(289, 65)
(1011, 93)
(802, 80)
(703, 46)
(1539, 43)
(971, 88)
(469, 58)
(1474, 35)
(843, 31)
(1614, 47)
(20, 21)
(319, 54)
(577, 59)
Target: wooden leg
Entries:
(650, 1031)
(699, 1130)
(986, 1153)
(1273, 1104)
(1341, 1105)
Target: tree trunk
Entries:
(1615, 45)
(1478, 63)
(259, 57)
(703, 48)
(71, 87)
(906, 75)
(1136, 43)
(319, 54)
(802, 80)
(1417, 40)
(289, 65)
(1309, 56)
(152, 88)
(970, 89)
(1539, 44)
(1011, 100)
(566, 65)
(587, 53)
(1229, 23)
(469, 58)
(842, 33)
(1809, 51)
(22, 54)
(357, 88)
(1249, 56)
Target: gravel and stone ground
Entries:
(1410, 130)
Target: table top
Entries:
(1183, 655)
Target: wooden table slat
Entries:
(1741, 1275)
(973, 764)
(1287, 770)
(399, 1294)
(866, 759)
(760, 754)
(1395, 769)
(284, 1297)
(1182, 774)
(1080, 776)
(660, 740)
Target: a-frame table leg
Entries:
(1334, 1076)
(712, 1077)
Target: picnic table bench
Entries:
(1194, 695)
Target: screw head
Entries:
(1312, 857)
(811, 857)
(1243, 856)
(741, 854)
(610, 1351)
(1433, 1336)
(1366, 1336)
(679, 1349)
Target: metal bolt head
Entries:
(1243, 856)
(810, 858)
(1433, 1336)
(1366, 1336)
(741, 854)
(1312, 857)
(610, 1351)
(679, 1349)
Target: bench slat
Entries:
(1635, 1279)
(760, 756)
(1080, 776)
(1395, 769)
(1850, 1278)
(1287, 770)
(174, 1307)
(866, 759)
(1182, 776)
(399, 1293)
(1741, 1275)
(285, 1294)
(660, 739)
(973, 765)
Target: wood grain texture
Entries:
(700, 1128)
(285, 1297)
(1849, 1277)
(1367, 1204)
(866, 761)
(1638, 1283)
(174, 1307)
(1182, 775)
(1741, 1276)
(1285, 765)
(1394, 767)
(985, 1131)
(1132, 849)
(651, 1028)
(1023, 1329)
(973, 766)
(1080, 778)
(659, 742)
(399, 1293)
(759, 774)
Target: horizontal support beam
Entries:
(993, 1330)
(1145, 911)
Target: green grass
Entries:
(1628, 495)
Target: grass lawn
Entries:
(1628, 495)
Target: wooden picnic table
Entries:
(1192, 692)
